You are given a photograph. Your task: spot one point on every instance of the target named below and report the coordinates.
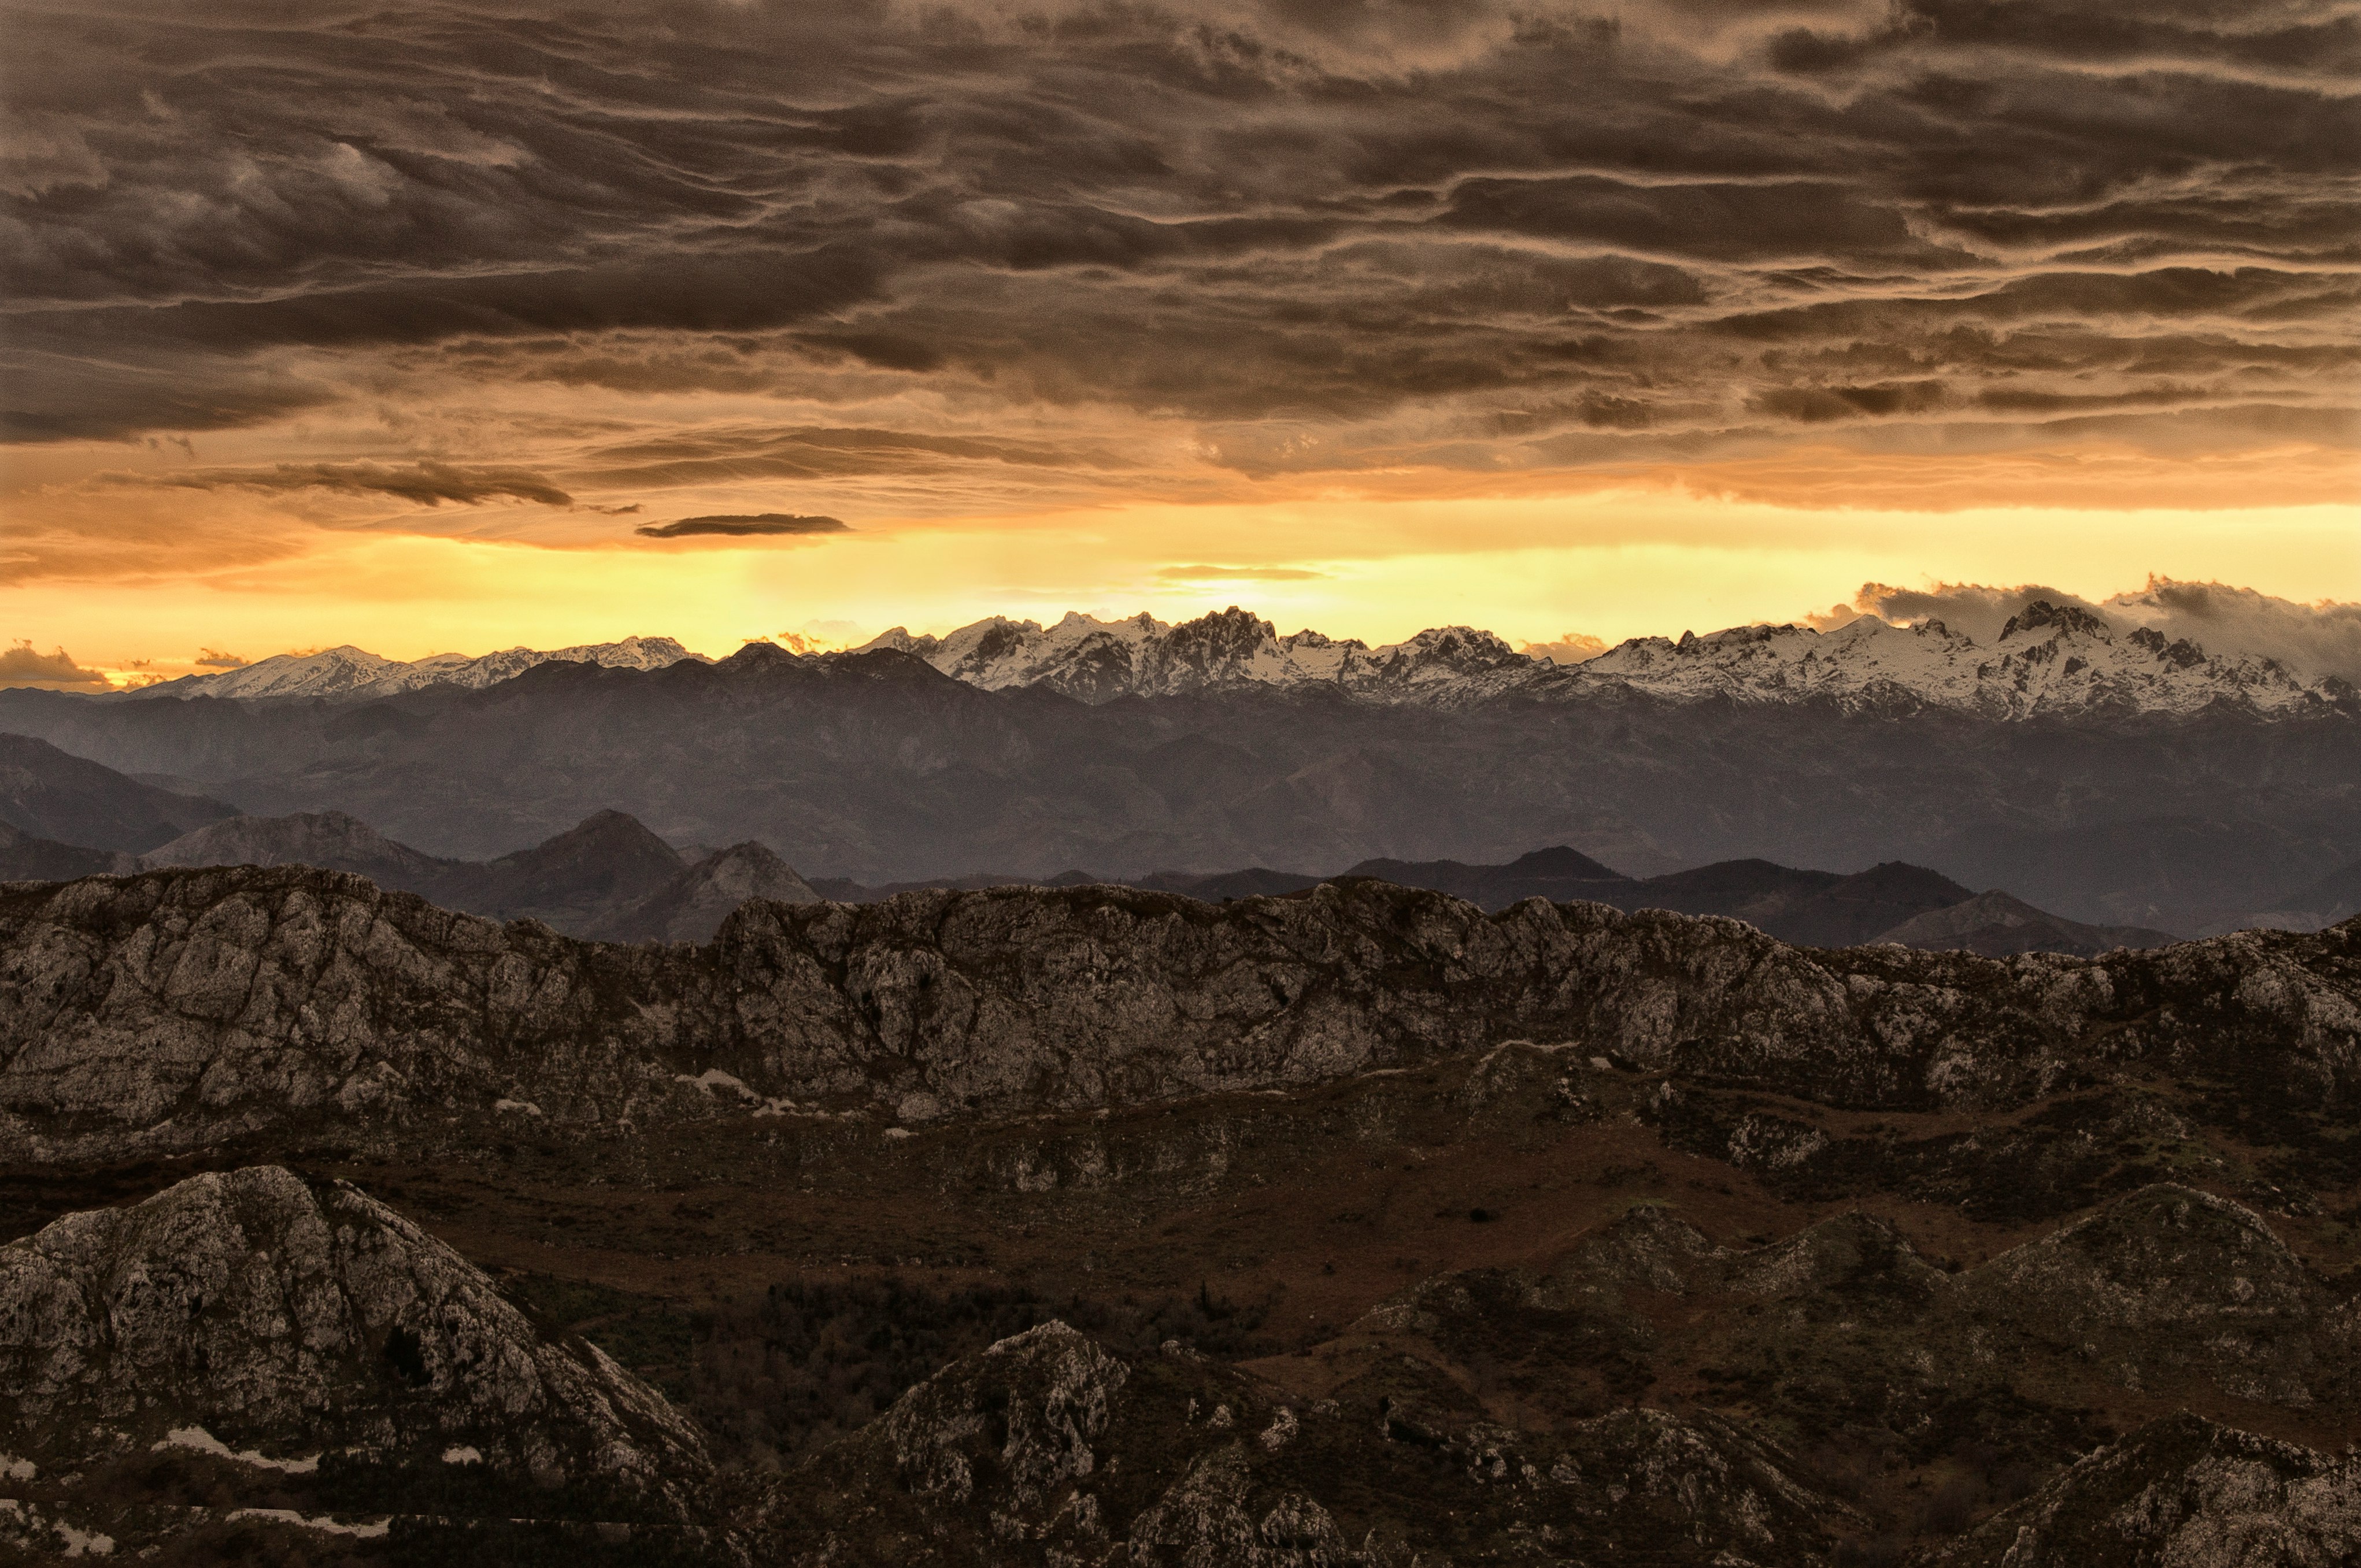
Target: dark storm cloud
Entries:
(757, 525)
(1683, 229)
(424, 484)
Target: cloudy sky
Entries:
(459, 325)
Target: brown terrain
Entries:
(1431, 1299)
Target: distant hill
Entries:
(26, 858)
(606, 877)
(56, 795)
(2313, 906)
(1894, 902)
(1997, 925)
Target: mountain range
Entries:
(610, 877)
(349, 672)
(2047, 660)
(2050, 659)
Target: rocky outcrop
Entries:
(175, 1009)
(255, 1314)
(2159, 1292)
(2181, 1492)
(1048, 1450)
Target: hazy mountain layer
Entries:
(1996, 925)
(879, 768)
(48, 794)
(606, 877)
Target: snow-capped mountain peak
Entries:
(350, 672)
(2050, 659)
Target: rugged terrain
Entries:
(1096, 1225)
(166, 1011)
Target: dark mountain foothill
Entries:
(49, 795)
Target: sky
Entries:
(454, 327)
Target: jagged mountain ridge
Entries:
(177, 1009)
(355, 673)
(2049, 660)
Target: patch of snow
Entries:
(197, 1439)
(460, 1453)
(15, 1469)
(324, 1524)
(81, 1542)
(713, 1078)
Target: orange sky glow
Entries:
(342, 326)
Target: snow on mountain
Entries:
(2047, 660)
(1096, 661)
(349, 672)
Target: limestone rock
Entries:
(2181, 1492)
(176, 1008)
(276, 1317)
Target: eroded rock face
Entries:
(272, 1316)
(176, 1008)
(2160, 1289)
(1047, 1450)
(2181, 1492)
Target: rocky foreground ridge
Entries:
(176, 1009)
(327, 1384)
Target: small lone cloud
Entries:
(24, 665)
(1572, 647)
(214, 659)
(1237, 575)
(765, 524)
